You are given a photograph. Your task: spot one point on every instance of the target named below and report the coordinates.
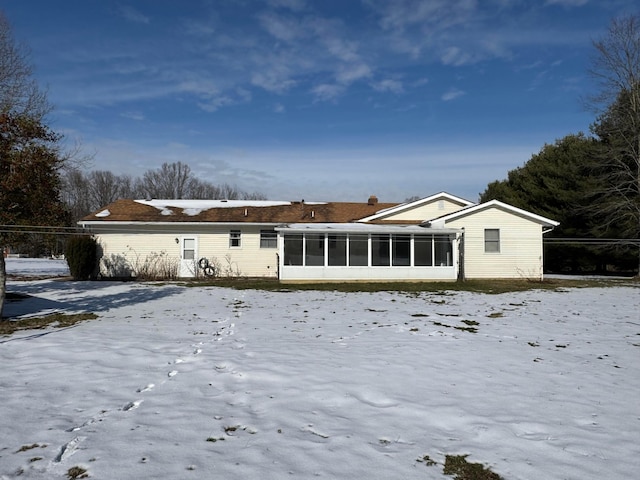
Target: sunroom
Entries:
(365, 252)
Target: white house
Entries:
(441, 237)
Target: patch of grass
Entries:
(25, 448)
(438, 288)
(467, 329)
(458, 467)
(58, 320)
(427, 461)
(76, 472)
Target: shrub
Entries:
(82, 256)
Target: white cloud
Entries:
(456, 57)
(276, 80)
(133, 15)
(295, 5)
(388, 85)
(283, 28)
(327, 92)
(452, 94)
(567, 3)
(278, 108)
(133, 115)
(348, 74)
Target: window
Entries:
(380, 246)
(268, 239)
(358, 250)
(189, 249)
(235, 240)
(401, 250)
(314, 255)
(337, 250)
(423, 250)
(443, 248)
(293, 249)
(492, 240)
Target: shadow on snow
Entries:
(79, 297)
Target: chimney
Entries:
(373, 200)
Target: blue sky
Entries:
(321, 100)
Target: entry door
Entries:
(188, 257)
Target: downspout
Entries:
(542, 252)
(461, 256)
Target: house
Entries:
(441, 237)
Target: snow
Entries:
(177, 382)
(195, 207)
(103, 213)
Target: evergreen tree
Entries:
(29, 154)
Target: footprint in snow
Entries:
(132, 405)
(172, 373)
(146, 388)
(68, 449)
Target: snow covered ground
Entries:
(177, 383)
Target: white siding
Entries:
(427, 211)
(212, 242)
(520, 253)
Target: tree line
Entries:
(591, 183)
(85, 192)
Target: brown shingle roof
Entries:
(126, 210)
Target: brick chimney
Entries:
(373, 200)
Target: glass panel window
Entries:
(337, 250)
(401, 250)
(423, 250)
(314, 245)
(293, 249)
(380, 247)
(492, 240)
(189, 249)
(358, 250)
(268, 239)
(443, 250)
(235, 239)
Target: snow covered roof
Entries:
(126, 211)
(195, 207)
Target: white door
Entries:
(188, 257)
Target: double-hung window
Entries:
(492, 240)
(268, 239)
(235, 239)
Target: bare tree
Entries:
(105, 187)
(169, 181)
(19, 92)
(75, 193)
(616, 67)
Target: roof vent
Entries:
(373, 200)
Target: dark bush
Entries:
(82, 257)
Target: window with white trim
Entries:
(235, 239)
(268, 239)
(492, 240)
